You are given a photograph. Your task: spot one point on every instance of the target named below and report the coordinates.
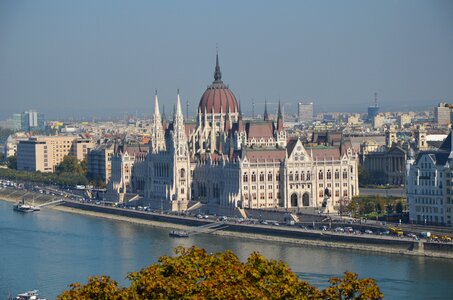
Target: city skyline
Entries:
(86, 61)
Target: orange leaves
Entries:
(195, 274)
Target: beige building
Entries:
(404, 119)
(442, 114)
(378, 121)
(44, 153)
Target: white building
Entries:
(429, 186)
(225, 161)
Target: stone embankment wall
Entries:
(289, 234)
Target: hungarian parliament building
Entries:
(226, 161)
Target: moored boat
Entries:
(22, 207)
(178, 233)
(30, 295)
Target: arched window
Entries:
(302, 175)
(320, 175)
(308, 175)
(253, 177)
(337, 174)
(345, 174)
(321, 194)
(329, 174)
(245, 177)
(269, 176)
(262, 176)
(291, 177)
(296, 176)
(183, 173)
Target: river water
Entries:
(51, 249)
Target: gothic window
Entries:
(245, 177)
(291, 176)
(261, 196)
(183, 173)
(329, 174)
(345, 174)
(296, 176)
(345, 193)
(269, 176)
(308, 175)
(253, 177)
(269, 196)
(321, 194)
(302, 175)
(337, 174)
(261, 176)
(320, 175)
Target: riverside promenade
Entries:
(287, 234)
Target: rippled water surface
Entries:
(50, 249)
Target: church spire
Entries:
(156, 105)
(217, 73)
(279, 118)
(266, 116)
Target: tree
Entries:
(399, 207)
(389, 208)
(70, 165)
(195, 274)
(12, 162)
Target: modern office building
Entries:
(305, 112)
(442, 114)
(44, 153)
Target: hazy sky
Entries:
(102, 58)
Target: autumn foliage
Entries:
(195, 274)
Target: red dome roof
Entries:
(218, 95)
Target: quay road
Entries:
(384, 192)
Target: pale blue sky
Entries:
(102, 58)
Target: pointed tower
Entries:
(280, 133)
(157, 139)
(266, 116)
(179, 133)
(181, 179)
(217, 73)
(279, 118)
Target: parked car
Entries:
(339, 229)
(368, 231)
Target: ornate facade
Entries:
(225, 161)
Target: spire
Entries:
(279, 118)
(178, 111)
(266, 116)
(217, 73)
(240, 110)
(164, 117)
(156, 105)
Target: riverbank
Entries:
(281, 234)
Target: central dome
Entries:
(217, 96)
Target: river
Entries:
(50, 249)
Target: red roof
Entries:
(322, 153)
(217, 94)
(260, 130)
(261, 155)
(189, 128)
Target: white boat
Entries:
(22, 207)
(30, 295)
